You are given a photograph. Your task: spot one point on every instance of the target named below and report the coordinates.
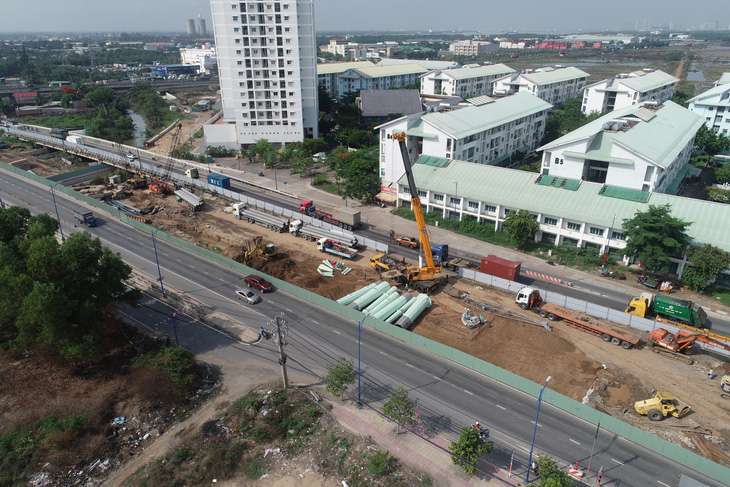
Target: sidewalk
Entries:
(430, 456)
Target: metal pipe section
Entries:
(356, 294)
(391, 307)
(361, 302)
(414, 311)
(382, 300)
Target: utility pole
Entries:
(282, 355)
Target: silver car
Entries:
(248, 296)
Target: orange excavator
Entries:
(674, 345)
(159, 187)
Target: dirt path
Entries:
(678, 71)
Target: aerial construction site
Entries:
(485, 322)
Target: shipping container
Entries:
(497, 266)
(219, 180)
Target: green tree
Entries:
(708, 262)
(468, 449)
(400, 408)
(340, 376)
(551, 475)
(521, 227)
(360, 139)
(655, 235)
(264, 150)
(722, 174)
(359, 169)
(566, 119)
(711, 142)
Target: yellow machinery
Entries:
(662, 405)
(429, 271)
(257, 246)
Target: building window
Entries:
(406, 190)
(550, 221)
(574, 226)
(596, 231)
(438, 197)
(618, 236)
(474, 205)
(490, 208)
(454, 201)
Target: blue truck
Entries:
(87, 218)
(440, 254)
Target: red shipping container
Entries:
(497, 266)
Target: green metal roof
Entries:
(550, 75)
(564, 183)
(475, 119)
(516, 190)
(659, 139)
(432, 161)
(467, 73)
(717, 96)
(332, 68)
(643, 81)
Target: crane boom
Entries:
(427, 271)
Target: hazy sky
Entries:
(485, 15)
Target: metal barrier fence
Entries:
(609, 423)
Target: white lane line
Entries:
(538, 424)
(501, 407)
(289, 310)
(437, 378)
(337, 332)
(468, 392)
(571, 439)
(315, 321)
(409, 365)
(614, 460)
(178, 260)
(383, 353)
(660, 482)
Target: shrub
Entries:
(381, 463)
(177, 362)
(320, 179)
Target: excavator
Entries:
(674, 345)
(257, 246)
(421, 278)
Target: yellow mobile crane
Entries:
(422, 278)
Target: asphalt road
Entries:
(448, 396)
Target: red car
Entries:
(258, 283)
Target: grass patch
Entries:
(720, 294)
(177, 362)
(700, 161)
(382, 463)
(254, 469)
(331, 188)
(217, 249)
(60, 121)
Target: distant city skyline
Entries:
(379, 15)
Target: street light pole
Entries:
(53, 193)
(154, 244)
(534, 431)
(595, 437)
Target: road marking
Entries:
(538, 424)
(614, 460)
(501, 407)
(178, 260)
(437, 378)
(337, 332)
(289, 310)
(571, 439)
(316, 322)
(659, 481)
(383, 353)
(409, 365)
(468, 392)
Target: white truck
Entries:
(312, 233)
(271, 222)
(327, 245)
(76, 139)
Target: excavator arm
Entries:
(430, 268)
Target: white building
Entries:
(351, 51)
(724, 79)
(267, 70)
(487, 134)
(472, 48)
(198, 55)
(378, 78)
(327, 74)
(604, 39)
(424, 63)
(628, 89)
(464, 82)
(714, 107)
(551, 84)
(643, 147)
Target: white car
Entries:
(248, 296)
(132, 157)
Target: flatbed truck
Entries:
(271, 222)
(342, 217)
(327, 245)
(530, 299)
(311, 233)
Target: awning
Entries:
(382, 196)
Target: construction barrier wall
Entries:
(608, 423)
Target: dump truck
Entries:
(327, 245)
(662, 405)
(312, 234)
(499, 267)
(271, 222)
(86, 218)
(342, 217)
(530, 299)
(667, 309)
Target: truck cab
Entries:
(192, 173)
(528, 298)
(640, 305)
(306, 206)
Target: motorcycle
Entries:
(549, 262)
(261, 173)
(612, 274)
(483, 432)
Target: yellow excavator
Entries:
(257, 246)
(421, 278)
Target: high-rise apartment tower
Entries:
(267, 67)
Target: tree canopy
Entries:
(655, 235)
(708, 262)
(551, 475)
(468, 449)
(340, 376)
(566, 119)
(710, 142)
(521, 227)
(400, 408)
(56, 296)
